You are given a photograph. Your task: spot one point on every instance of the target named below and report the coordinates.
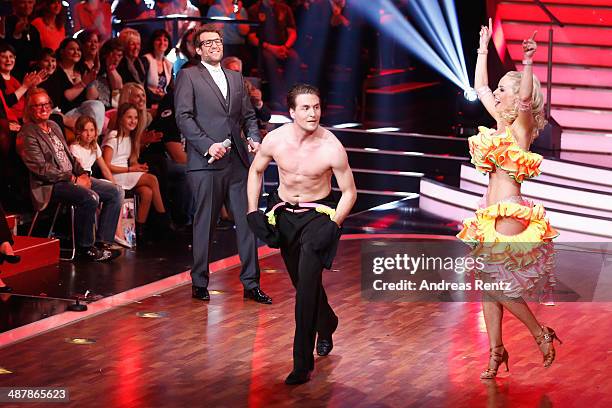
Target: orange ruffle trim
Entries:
(489, 151)
(513, 250)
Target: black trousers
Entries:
(300, 237)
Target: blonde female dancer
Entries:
(507, 222)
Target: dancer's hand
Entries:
(530, 46)
(485, 35)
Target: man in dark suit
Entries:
(211, 106)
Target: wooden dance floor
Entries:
(236, 353)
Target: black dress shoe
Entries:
(257, 295)
(12, 259)
(297, 377)
(200, 293)
(325, 345)
(5, 289)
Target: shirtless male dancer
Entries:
(303, 218)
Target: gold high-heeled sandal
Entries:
(499, 359)
(548, 335)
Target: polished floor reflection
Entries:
(236, 353)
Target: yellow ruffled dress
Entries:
(523, 259)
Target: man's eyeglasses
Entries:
(209, 43)
(42, 106)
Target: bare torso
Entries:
(501, 187)
(304, 167)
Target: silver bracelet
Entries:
(527, 62)
(483, 52)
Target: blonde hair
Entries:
(79, 127)
(128, 34)
(537, 102)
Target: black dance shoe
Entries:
(297, 377)
(257, 295)
(325, 345)
(200, 293)
(12, 259)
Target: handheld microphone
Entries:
(235, 3)
(227, 144)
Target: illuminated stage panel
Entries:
(566, 14)
(568, 34)
(552, 196)
(455, 204)
(585, 142)
(588, 76)
(598, 120)
(582, 97)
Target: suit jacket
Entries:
(39, 157)
(205, 117)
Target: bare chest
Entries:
(309, 162)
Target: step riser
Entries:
(586, 143)
(567, 15)
(566, 55)
(575, 76)
(563, 35)
(607, 3)
(35, 253)
(587, 120)
(580, 98)
(402, 143)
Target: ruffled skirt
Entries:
(523, 263)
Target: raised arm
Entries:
(481, 80)
(524, 120)
(346, 183)
(256, 171)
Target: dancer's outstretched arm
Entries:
(524, 121)
(481, 80)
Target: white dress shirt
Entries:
(219, 78)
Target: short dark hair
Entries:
(4, 46)
(301, 89)
(206, 28)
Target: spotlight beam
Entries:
(407, 36)
(430, 18)
(451, 13)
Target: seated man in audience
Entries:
(55, 176)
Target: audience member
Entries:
(71, 89)
(23, 36)
(45, 61)
(131, 68)
(120, 151)
(90, 50)
(234, 35)
(186, 54)
(56, 176)
(183, 7)
(93, 15)
(87, 151)
(109, 82)
(158, 68)
(50, 22)
(11, 89)
(274, 38)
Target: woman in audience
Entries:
(12, 90)
(109, 82)
(120, 151)
(90, 49)
(158, 67)
(71, 89)
(185, 52)
(131, 68)
(94, 15)
(50, 22)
